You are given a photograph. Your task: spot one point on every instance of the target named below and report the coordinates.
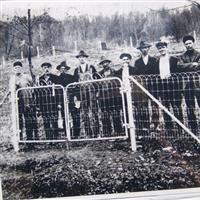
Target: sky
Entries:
(58, 9)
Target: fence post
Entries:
(38, 52)
(53, 51)
(14, 138)
(3, 61)
(131, 42)
(1, 191)
(75, 47)
(22, 55)
(127, 88)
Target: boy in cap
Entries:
(26, 109)
(189, 61)
(107, 71)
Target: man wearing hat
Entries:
(189, 61)
(169, 84)
(47, 78)
(84, 71)
(26, 109)
(126, 69)
(107, 70)
(83, 99)
(145, 65)
(47, 101)
(64, 78)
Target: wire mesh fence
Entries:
(96, 110)
(179, 94)
(41, 114)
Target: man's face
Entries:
(46, 69)
(126, 60)
(62, 70)
(189, 44)
(106, 65)
(17, 70)
(145, 51)
(162, 50)
(82, 59)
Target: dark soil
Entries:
(101, 167)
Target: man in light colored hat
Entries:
(189, 61)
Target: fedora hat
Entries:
(82, 54)
(105, 61)
(63, 64)
(125, 55)
(17, 63)
(143, 45)
(161, 44)
(46, 64)
(188, 37)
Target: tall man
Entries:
(84, 96)
(169, 85)
(47, 101)
(145, 65)
(25, 107)
(189, 61)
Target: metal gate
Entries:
(41, 114)
(96, 110)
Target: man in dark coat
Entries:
(190, 62)
(47, 101)
(169, 84)
(64, 78)
(145, 65)
(126, 69)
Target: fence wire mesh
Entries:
(180, 94)
(96, 110)
(41, 113)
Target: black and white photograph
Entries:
(100, 100)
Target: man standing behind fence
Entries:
(145, 65)
(46, 101)
(27, 112)
(84, 100)
(190, 62)
(169, 85)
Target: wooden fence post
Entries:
(14, 135)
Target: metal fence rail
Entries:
(180, 94)
(41, 114)
(96, 110)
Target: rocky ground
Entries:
(99, 167)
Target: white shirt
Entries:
(164, 67)
(83, 67)
(125, 73)
(145, 59)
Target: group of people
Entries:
(168, 89)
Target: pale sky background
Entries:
(58, 9)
